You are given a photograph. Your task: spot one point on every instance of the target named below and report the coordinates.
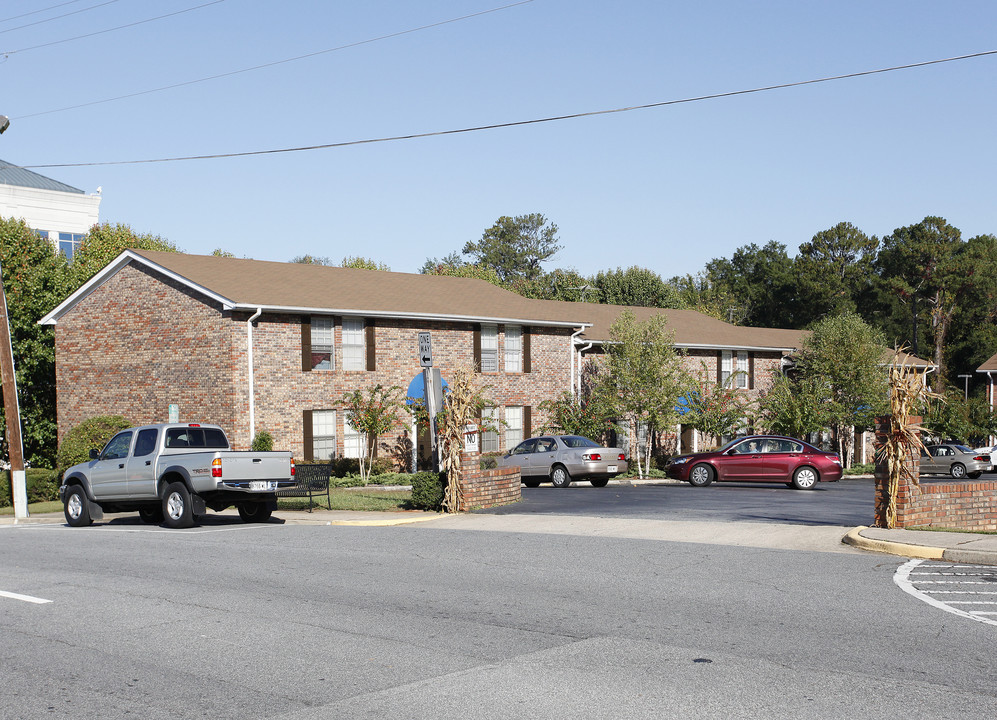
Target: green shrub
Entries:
(42, 485)
(262, 442)
(427, 491)
(343, 467)
(89, 434)
(489, 461)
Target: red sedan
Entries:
(759, 458)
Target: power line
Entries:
(44, 9)
(119, 27)
(520, 123)
(278, 62)
(56, 17)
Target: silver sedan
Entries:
(563, 458)
(955, 460)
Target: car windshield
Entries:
(731, 444)
(577, 441)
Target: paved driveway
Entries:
(847, 503)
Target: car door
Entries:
(543, 456)
(521, 456)
(778, 460)
(141, 466)
(108, 475)
(929, 462)
(740, 462)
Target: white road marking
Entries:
(25, 598)
(904, 580)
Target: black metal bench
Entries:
(311, 481)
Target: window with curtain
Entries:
(322, 341)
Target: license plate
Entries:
(611, 468)
(262, 485)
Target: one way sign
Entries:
(425, 350)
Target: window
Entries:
(146, 442)
(513, 349)
(513, 426)
(69, 243)
(353, 345)
(196, 437)
(726, 364)
(323, 434)
(118, 447)
(489, 435)
(489, 348)
(353, 440)
(322, 341)
(742, 370)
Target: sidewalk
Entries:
(954, 547)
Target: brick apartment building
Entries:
(253, 345)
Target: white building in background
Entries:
(54, 210)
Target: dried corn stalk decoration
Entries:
(461, 405)
(902, 439)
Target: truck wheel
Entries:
(151, 515)
(77, 507)
(254, 512)
(177, 511)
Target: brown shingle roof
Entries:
(989, 366)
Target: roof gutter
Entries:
(252, 382)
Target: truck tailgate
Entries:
(248, 466)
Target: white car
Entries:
(990, 450)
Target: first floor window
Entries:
(353, 440)
(322, 340)
(323, 434)
(353, 345)
(489, 435)
(513, 426)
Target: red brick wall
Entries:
(487, 488)
(140, 342)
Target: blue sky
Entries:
(667, 188)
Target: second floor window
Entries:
(489, 348)
(353, 344)
(322, 341)
(513, 349)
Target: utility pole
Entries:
(12, 411)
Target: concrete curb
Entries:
(855, 539)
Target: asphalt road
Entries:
(429, 621)
(847, 503)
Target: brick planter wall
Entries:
(487, 488)
(958, 504)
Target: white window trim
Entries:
(353, 344)
(354, 441)
(490, 436)
(513, 426)
(319, 330)
(513, 349)
(489, 348)
(330, 418)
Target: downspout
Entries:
(990, 392)
(571, 356)
(252, 384)
(580, 351)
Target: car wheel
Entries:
(531, 483)
(701, 475)
(177, 511)
(976, 474)
(599, 482)
(805, 478)
(958, 471)
(151, 515)
(254, 512)
(77, 507)
(559, 477)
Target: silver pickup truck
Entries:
(171, 473)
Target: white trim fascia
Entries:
(693, 346)
(394, 314)
(119, 262)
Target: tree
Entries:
(372, 414)
(762, 281)
(953, 416)
(311, 260)
(795, 408)
(218, 252)
(558, 284)
(715, 409)
(834, 272)
(362, 263)
(849, 356)
(699, 292)
(105, 242)
(452, 266)
(35, 278)
(636, 286)
(644, 378)
(589, 416)
(515, 247)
